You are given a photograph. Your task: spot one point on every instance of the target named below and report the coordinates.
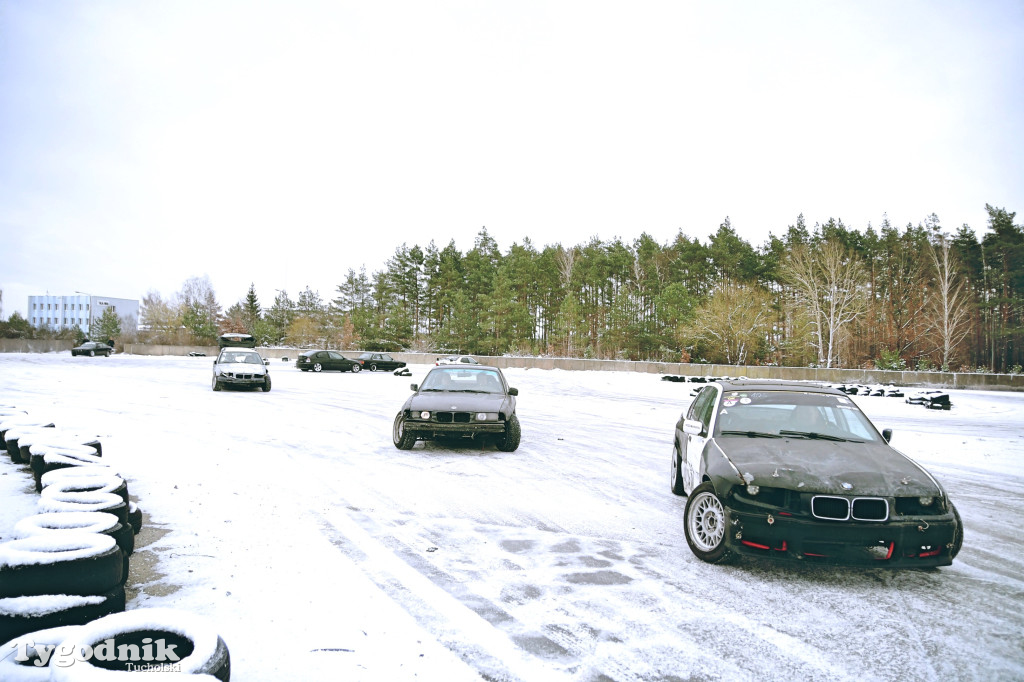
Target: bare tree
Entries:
(830, 283)
(949, 311)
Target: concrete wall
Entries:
(1005, 382)
(34, 345)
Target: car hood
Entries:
(458, 402)
(822, 466)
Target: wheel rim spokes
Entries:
(707, 524)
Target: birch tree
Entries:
(830, 285)
(949, 304)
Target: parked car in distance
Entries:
(381, 361)
(791, 470)
(320, 360)
(457, 401)
(457, 360)
(92, 348)
(240, 368)
(233, 340)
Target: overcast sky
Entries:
(282, 143)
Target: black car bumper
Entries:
(429, 429)
(906, 543)
(252, 381)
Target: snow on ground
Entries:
(319, 551)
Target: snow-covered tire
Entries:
(509, 441)
(134, 517)
(20, 616)
(110, 483)
(958, 534)
(46, 458)
(19, 422)
(676, 472)
(84, 502)
(29, 644)
(80, 522)
(198, 647)
(86, 471)
(705, 525)
(402, 439)
(60, 563)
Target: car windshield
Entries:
(236, 356)
(463, 379)
(795, 414)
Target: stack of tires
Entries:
(62, 575)
(68, 564)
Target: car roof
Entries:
(775, 385)
(462, 368)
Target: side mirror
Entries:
(887, 434)
(215, 361)
(513, 391)
(266, 361)
(693, 427)
(415, 387)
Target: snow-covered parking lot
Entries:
(321, 552)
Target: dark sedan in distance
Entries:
(791, 470)
(92, 348)
(322, 360)
(468, 402)
(379, 361)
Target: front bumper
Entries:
(902, 543)
(239, 380)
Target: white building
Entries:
(80, 310)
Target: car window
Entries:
(794, 413)
(334, 356)
(703, 405)
(248, 358)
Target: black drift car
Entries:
(460, 402)
(790, 470)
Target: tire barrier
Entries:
(16, 422)
(72, 563)
(110, 483)
(22, 615)
(88, 522)
(60, 501)
(168, 633)
(54, 437)
(46, 458)
(62, 579)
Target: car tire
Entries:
(317, 367)
(356, 368)
(373, 367)
(81, 522)
(216, 384)
(24, 615)
(266, 384)
(705, 525)
(677, 471)
(509, 441)
(207, 654)
(402, 439)
(958, 533)
(60, 563)
(92, 354)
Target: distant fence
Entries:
(1003, 382)
(35, 345)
